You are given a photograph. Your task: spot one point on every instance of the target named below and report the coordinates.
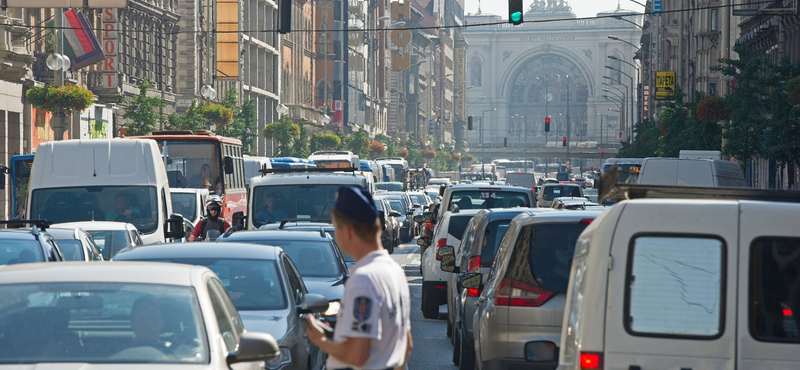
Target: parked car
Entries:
(115, 315)
(434, 281)
(475, 253)
(524, 294)
(27, 245)
(110, 237)
(76, 244)
(315, 253)
(262, 282)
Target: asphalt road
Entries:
(432, 348)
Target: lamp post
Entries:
(638, 74)
(58, 62)
(615, 38)
(483, 144)
(629, 95)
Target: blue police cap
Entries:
(356, 202)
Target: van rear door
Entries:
(669, 300)
(769, 287)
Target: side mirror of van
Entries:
(471, 280)
(228, 165)
(173, 227)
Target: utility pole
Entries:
(59, 120)
(726, 53)
(568, 123)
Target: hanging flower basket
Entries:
(217, 114)
(793, 91)
(404, 152)
(457, 156)
(69, 98)
(712, 109)
(428, 153)
(467, 157)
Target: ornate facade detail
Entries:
(549, 6)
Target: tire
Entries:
(467, 359)
(430, 310)
(456, 347)
(449, 327)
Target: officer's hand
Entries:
(191, 238)
(313, 331)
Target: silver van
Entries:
(691, 172)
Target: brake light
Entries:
(787, 312)
(591, 360)
(472, 292)
(440, 243)
(519, 294)
(586, 221)
(428, 225)
(474, 263)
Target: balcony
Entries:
(16, 58)
(98, 84)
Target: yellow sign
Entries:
(665, 85)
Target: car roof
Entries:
(317, 178)
(22, 233)
(564, 184)
(464, 213)
(486, 187)
(64, 233)
(119, 272)
(544, 215)
(506, 213)
(200, 250)
(290, 234)
(96, 225)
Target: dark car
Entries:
(264, 285)
(28, 245)
(390, 237)
(315, 253)
(398, 204)
(76, 244)
(314, 225)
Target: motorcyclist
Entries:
(212, 222)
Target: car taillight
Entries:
(591, 360)
(474, 263)
(428, 225)
(440, 243)
(472, 292)
(517, 293)
(586, 221)
(787, 312)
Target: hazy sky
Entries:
(581, 8)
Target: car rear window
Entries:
(774, 290)
(458, 224)
(71, 248)
(485, 199)
(552, 192)
(494, 233)
(547, 250)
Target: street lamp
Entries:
(58, 63)
(615, 38)
(629, 95)
(208, 92)
(483, 145)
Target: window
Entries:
(675, 287)
(226, 301)
(713, 20)
(491, 239)
(775, 290)
(294, 281)
(225, 326)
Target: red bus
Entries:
(202, 160)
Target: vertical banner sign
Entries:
(401, 36)
(665, 85)
(110, 48)
(646, 102)
(460, 76)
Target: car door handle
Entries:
(479, 301)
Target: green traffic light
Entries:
(516, 17)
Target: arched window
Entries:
(476, 72)
(616, 76)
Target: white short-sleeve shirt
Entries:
(376, 305)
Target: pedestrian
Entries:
(373, 330)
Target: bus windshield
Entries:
(134, 204)
(193, 164)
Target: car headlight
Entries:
(333, 308)
(283, 358)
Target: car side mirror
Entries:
(313, 303)
(238, 219)
(419, 218)
(448, 256)
(541, 351)
(410, 213)
(254, 347)
(228, 165)
(421, 242)
(415, 205)
(471, 280)
(447, 250)
(394, 214)
(173, 227)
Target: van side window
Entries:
(675, 287)
(775, 290)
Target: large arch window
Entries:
(476, 72)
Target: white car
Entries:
(110, 237)
(449, 231)
(123, 315)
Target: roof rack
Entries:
(620, 192)
(41, 224)
(265, 171)
(288, 220)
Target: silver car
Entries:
(520, 310)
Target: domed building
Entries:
(553, 65)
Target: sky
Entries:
(581, 8)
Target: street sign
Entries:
(646, 102)
(657, 6)
(665, 85)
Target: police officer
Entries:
(212, 222)
(373, 330)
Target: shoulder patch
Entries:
(361, 308)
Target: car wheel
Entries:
(456, 348)
(467, 359)
(449, 327)
(430, 310)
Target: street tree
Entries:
(141, 112)
(300, 143)
(282, 132)
(324, 142)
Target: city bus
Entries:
(400, 166)
(20, 178)
(202, 160)
(335, 159)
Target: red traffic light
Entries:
(547, 124)
(602, 152)
(564, 141)
(547, 120)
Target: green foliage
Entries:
(242, 126)
(300, 143)
(414, 157)
(325, 142)
(218, 115)
(192, 120)
(782, 137)
(69, 98)
(645, 143)
(282, 133)
(357, 143)
(142, 112)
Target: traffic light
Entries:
(285, 9)
(602, 154)
(547, 124)
(505, 142)
(564, 141)
(469, 123)
(515, 12)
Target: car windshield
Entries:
(185, 204)
(20, 251)
(274, 203)
(312, 258)
(433, 194)
(494, 233)
(110, 242)
(254, 285)
(134, 204)
(71, 248)
(419, 198)
(485, 199)
(552, 192)
(390, 186)
(397, 205)
(87, 322)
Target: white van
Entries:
(335, 159)
(252, 166)
(690, 172)
(104, 180)
(693, 283)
